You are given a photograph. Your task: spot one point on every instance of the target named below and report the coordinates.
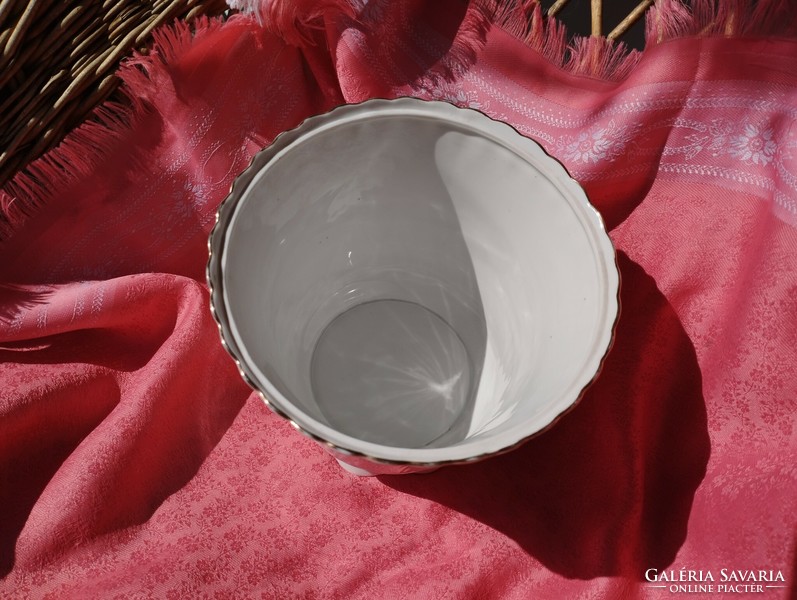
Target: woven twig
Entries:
(57, 61)
(630, 19)
(596, 16)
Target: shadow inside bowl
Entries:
(608, 490)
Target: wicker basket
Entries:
(57, 61)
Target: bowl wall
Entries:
(390, 205)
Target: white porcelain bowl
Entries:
(412, 284)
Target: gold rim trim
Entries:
(228, 203)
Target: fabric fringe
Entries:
(72, 159)
(144, 74)
(665, 20)
(471, 35)
(85, 146)
(590, 56)
(670, 19)
(293, 20)
(298, 22)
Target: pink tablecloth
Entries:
(135, 463)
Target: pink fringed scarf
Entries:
(134, 462)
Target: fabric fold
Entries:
(134, 461)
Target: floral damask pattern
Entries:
(755, 144)
(159, 474)
(752, 142)
(604, 143)
(453, 94)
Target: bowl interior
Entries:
(413, 281)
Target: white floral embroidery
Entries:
(588, 147)
(452, 95)
(714, 138)
(457, 97)
(197, 193)
(602, 143)
(695, 146)
(720, 132)
(754, 145)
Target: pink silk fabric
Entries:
(135, 463)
